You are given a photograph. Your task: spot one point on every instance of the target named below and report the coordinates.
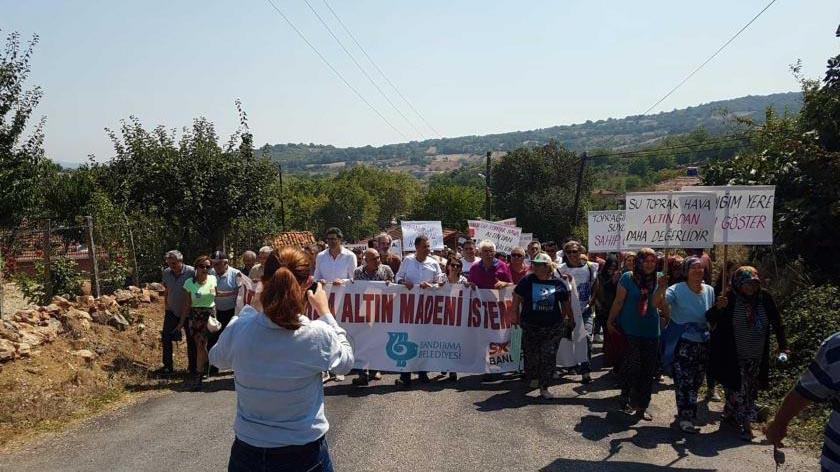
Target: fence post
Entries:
(94, 265)
(136, 276)
(48, 285)
(2, 282)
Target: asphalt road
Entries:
(459, 426)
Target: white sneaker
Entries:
(599, 338)
(339, 378)
(546, 394)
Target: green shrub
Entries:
(810, 316)
(66, 281)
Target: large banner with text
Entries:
(448, 329)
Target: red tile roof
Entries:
(292, 238)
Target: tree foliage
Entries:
(452, 204)
(537, 185)
(21, 158)
(799, 155)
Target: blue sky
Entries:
(471, 67)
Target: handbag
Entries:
(213, 324)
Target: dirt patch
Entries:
(58, 384)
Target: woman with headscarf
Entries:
(628, 261)
(634, 314)
(740, 345)
(686, 303)
(605, 294)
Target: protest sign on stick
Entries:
(605, 230)
(744, 213)
(669, 220)
(412, 229)
(525, 239)
(505, 237)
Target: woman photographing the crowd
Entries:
(687, 303)
(278, 356)
(635, 315)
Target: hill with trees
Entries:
(419, 157)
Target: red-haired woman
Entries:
(277, 356)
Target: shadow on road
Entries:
(607, 466)
(182, 384)
(596, 428)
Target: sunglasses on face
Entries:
(574, 251)
(540, 264)
(517, 255)
(205, 267)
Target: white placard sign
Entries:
(509, 222)
(505, 237)
(605, 230)
(356, 246)
(412, 229)
(744, 213)
(396, 247)
(669, 220)
(525, 239)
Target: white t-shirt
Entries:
(465, 264)
(584, 276)
(414, 271)
(329, 268)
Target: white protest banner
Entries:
(451, 328)
(744, 213)
(605, 230)
(505, 237)
(525, 239)
(509, 222)
(396, 247)
(412, 229)
(669, 220)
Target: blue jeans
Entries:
(311, 457)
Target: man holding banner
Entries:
(420, 270)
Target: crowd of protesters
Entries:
(649, 313)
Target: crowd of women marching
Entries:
(651, 314)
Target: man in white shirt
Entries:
(419, 269)
(335, 264)
(468, 256)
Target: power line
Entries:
(335, 71)
(363, 71)
(689, 76)
(347, 30)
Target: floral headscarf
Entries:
(741, 276)
(645, 282)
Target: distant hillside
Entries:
(715, 117)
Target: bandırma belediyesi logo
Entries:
(400, 349)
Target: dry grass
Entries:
(54, 388)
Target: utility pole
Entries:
(282, 199)
(575, 216)
(487, 189)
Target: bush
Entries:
(809, 316)
(66, 281)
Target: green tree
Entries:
(537, 186)
(394, 193)
(797, 155)
(349, 207)
(453, 205)
(21, 158)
